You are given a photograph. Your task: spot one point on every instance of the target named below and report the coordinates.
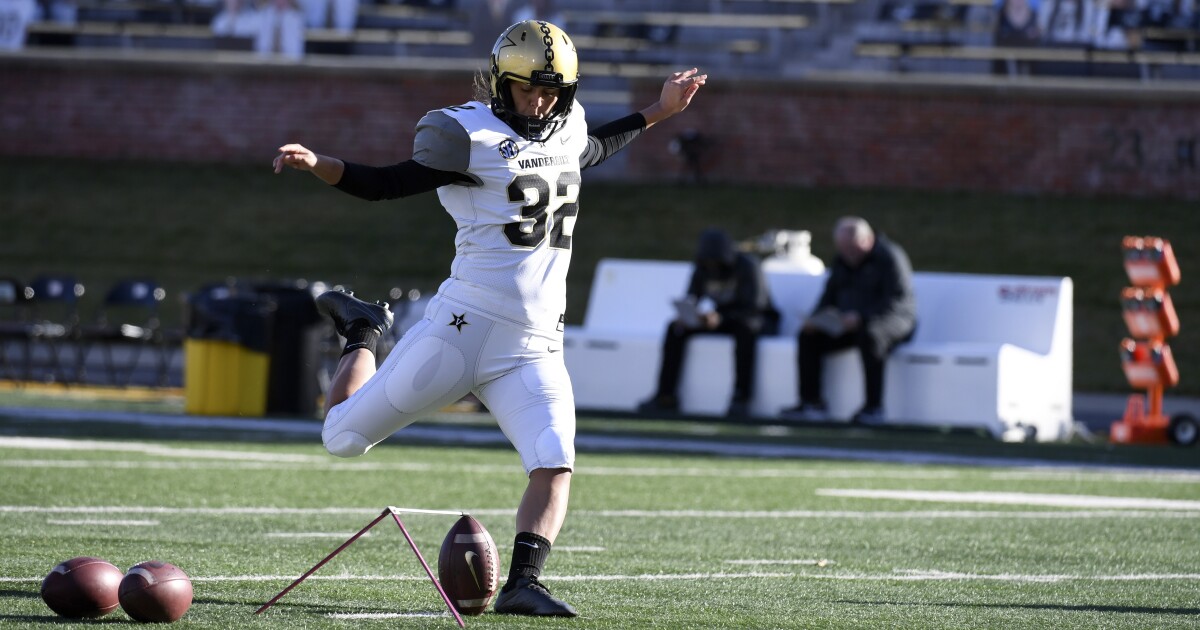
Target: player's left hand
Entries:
(677, 93)
(678, 90)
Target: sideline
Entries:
(460, 435)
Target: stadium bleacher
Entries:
(768, 38)
(1049, 60)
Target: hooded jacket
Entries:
(733, 280)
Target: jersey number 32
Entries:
(539, 214)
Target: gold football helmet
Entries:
(536, 53)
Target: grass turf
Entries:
(189, 225)
(663, 540)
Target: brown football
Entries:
(468, 566)
(155, 591)
(82, 587)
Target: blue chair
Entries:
(54, 323)
(14, 328)
(128, 318)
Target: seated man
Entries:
(727, 295)
(867, 303)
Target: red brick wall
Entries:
(1044, 140)
(1078, 139)
(203, 114)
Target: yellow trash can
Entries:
(226, 364)
(222, 378)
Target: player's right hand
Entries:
(295, 156)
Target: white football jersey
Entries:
(515, 219)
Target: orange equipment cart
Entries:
(1146, 358)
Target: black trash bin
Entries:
(295, 348)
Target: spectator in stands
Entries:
(1169, 13)
(867, 304)
(1016, 23)
(727, 295)
(538, 10)
(58, 11)
(280, 29)
(15, 16)
(1165, 22)
(239, 18)
(484, 19)
(1119, 24)
(317, 14)
(1068, 21)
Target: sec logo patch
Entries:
(508, 149)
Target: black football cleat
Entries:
(527, 596)
(344, 309)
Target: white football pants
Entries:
(520, 375)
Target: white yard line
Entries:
(885, 514)
(329, 464)
(647, 577)
(665, 577)
(926, 575)
(898, 575)
(1016, 498)
(649, 514)
(567, 548)
(382, 616)
(219, 511)
(124, 464)
(1034, 474)
(148, 448)
(103, 522)
(241, 460)
(814, 563)
(650, 577)
(338, 535)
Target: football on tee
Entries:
(468, 566)
(82, 587)
(155, 591)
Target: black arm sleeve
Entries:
(392, 182)
(610, 138)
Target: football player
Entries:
(506, 167)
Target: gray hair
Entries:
(856, 226)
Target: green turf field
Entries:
(653, 540)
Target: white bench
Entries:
(990, 352)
